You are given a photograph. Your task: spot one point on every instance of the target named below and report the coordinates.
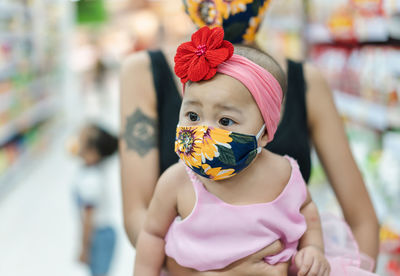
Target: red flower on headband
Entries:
(198, 59)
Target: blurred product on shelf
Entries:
(390, 246)
(352, 21)
(18, 153)
(389, 175)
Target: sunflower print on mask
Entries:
(186, 146)
(213, 152)
(195, 144)
(211, 138)
(239, 18)
(217, 173)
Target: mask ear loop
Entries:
(259, 149)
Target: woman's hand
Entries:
(253, 265)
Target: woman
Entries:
(149, 107)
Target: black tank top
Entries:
(291, 138)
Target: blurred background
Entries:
(59, 69)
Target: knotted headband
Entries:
(264, 88)
(207, 54)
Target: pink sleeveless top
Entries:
(217, 234)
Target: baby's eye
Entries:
(193, 116)
(226, 122)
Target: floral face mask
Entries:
(216, 153)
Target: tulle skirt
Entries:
(341, 250)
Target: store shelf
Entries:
(8, 71)
(24, 162)
(34, 89)
(320, 34)
(377, 116)
(9, 9)
(14, 37)
(5, 99)
(21, 162)
(36, 114)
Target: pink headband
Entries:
(264, 88)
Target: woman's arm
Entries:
(329, 138)
(162, 211)
(138, 141)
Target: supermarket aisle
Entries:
(40, 232)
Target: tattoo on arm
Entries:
(140, 132)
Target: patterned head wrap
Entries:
(239, 18)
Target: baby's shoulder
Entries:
(174, 177)
(278, 166)
(276, 161)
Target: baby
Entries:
(229, 197)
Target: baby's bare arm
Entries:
(162, 211)
(313, 234)
(310, 260)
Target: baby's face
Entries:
(87, 154)
(222, 102)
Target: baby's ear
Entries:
(263, 141)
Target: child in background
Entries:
(228, 197)
(94, 146)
